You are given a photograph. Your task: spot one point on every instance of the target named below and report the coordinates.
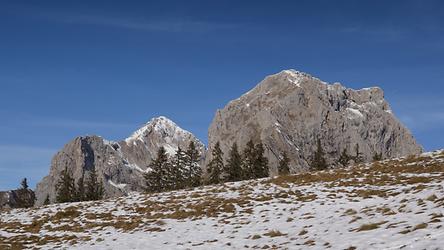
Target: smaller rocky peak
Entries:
(160, 125)
(164, 124)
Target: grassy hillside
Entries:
(390, 204)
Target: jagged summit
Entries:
(294, 73)
(161, 124)
(298, 77)
(162, 132)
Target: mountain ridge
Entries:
(287, 111)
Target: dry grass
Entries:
(371, 226)
(274, 233)
(352, 183)
(420, 226)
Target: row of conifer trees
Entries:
(171, 173)
(250, 164)
(183, 170)
(86, 189)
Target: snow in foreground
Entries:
(396, 204)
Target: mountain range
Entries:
(289, 112)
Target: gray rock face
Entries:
(288, 111)
(120, 165)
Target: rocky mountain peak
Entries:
(290, 110)
(161, 131)
(120, 165)
(161, 125)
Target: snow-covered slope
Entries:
(393, 204)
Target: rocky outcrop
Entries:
(19, 198)
(290, 110)
(119, 165)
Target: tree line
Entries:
(182, 170)
(86, 189)
(248, 164)
(177, 172)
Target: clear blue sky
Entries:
(70, 68)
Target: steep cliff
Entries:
(291, 110)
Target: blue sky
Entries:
(70, 68)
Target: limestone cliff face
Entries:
(288, 111)
(120, 165)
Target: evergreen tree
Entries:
(195, 171)
(284, 168)
(179, 169)
(65, 187)
(358, 155)
(216, 165)
(233, 168)
(260, 166)
(94, 187)
(155, 178)
(377, 157)
(80, 191)
(248, 161)
(24, 184)
(47, 201)
(344, 158)
(24, 196)
(318, 162)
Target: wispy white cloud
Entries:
(166, 23)
(66, 123)
(424, 120)
(147, 25)
(18, 161)
(387, 33)
(421, 114)
(20, 119)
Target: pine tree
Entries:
(80, 191)
(284, 168)
(179, 169)
(233, 168)
(24, 196)
(318, 162)
(344, 158)
(358, 155)
(94, 188)
(377, 157)
(216, 165)
(195, 171)
(260, 166)
(248, 160)
(155, 178)
(24, 184)
(47, 201)
(65, 187)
